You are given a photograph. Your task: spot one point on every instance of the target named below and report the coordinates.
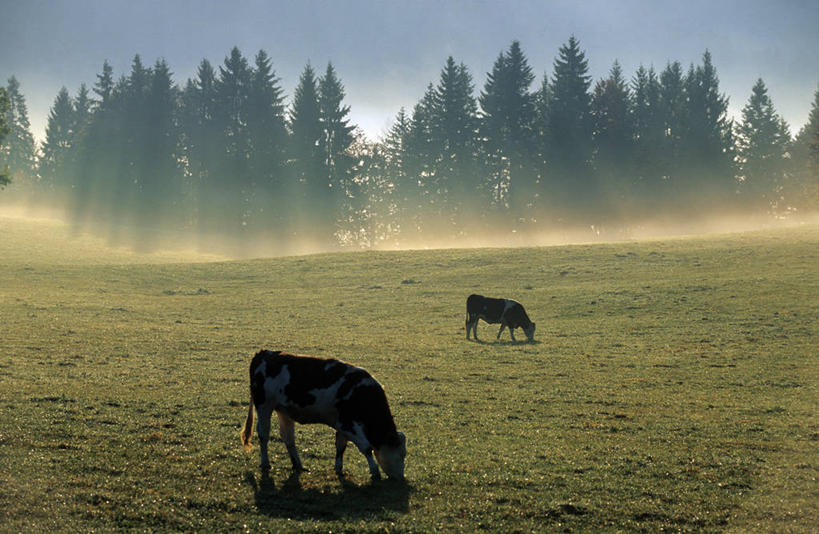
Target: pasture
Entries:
(672, 385)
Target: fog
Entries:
(551, 140)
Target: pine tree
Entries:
(402, 185)
(570, 128)
(4, 130)
(613, 132)
(202, 144)
(105, 84)
(268, 136)
(60, 133)
(453, 127)
(649, 139)
(673, 117)
(160, 188)
(542, 149)
(97, 154)
(83, 107)
(421, 157)
(306, 162)
(708, 144)
(232, 90)
(762, 139)
(802, 190)
(18, 152)
(336, 187)
(131, 123)
(507, 120)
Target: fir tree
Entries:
(266, 129)
(402, 184)
(507, 119)
(649, 138)
(160, 190)
(105, 84)
(570, 128)
(82, 110)
(673, 117)
(708, 145)
(762, 139)
(60, 132)
(232, 90)
(18, 152)
(336, 187)
(97, 153)
(306, 162)
(802, 191)
(453, 127)
(542, 145)
(613, 132)
(4, 130)
(202, 145)
(421, 157)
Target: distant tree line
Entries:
(225, 156)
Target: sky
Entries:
(386, 52)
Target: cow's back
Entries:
(489, 309)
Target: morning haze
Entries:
(284, 128)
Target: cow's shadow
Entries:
(517, 342)
(292, 500)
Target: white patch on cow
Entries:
(368, 381)
(274, 385)
(357, 436)
(323, 410)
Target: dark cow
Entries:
(508, 313)
(313, 390)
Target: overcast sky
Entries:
(386, 52)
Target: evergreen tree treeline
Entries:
(224, 156)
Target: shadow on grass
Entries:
(292, 500)
(506, 342)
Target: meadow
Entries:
(672, 386)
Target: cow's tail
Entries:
(248, 428)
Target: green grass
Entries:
(673, 385)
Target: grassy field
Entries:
(672, 385)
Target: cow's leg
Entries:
(341, 445)
(287, 431)
(366, 449)
(503, 325)
(512, 333)
(263, 411)
(472, 324)
(368, 454)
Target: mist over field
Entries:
(232, 159)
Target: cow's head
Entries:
(391, 457)
(530, 331)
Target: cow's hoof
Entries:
(376, 476)
(264, 466)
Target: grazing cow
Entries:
(313, 390)
(504, 311)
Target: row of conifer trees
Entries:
(226, 156)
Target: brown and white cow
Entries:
(508, 313)
(304, 389)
